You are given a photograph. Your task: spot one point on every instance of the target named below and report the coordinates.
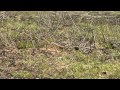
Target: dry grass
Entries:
(59, 44)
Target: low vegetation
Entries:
(59, 44)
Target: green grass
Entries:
(27, 30)
(61, 67)
(22, 74)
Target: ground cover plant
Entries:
(59, 44)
